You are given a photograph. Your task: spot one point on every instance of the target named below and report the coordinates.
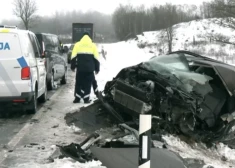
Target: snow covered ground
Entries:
(51, 129)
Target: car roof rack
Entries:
(6, 26)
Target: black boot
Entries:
(87, 101)
(76, 100)
(96, 93)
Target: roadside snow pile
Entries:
(68, 163)
(64, 163)
(199, 36)
(219, 156)
(75, 129)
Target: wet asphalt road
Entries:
(10, 125)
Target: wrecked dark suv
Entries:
(186, 93)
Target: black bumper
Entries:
(27, 96)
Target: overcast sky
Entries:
(48, 7)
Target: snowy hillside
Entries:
(197, 36)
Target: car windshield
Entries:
(175, 69)
(174, 61)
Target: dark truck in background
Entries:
(79, 28)
(77, 32)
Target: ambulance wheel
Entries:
(33, 106)
(43, 97)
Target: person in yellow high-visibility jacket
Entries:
(84, 58)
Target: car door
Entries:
(40, 65)
(60, 57)
(52, 63)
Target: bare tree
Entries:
(26, 11)
(170, 34)
(170, 19)
(225, 11)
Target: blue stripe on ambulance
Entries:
(24, 64)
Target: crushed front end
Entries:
(177, 98)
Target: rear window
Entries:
(9, 46)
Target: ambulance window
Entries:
(38, 44)
(35, 48)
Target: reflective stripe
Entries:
(5, 30)
(85, 53)
(87, 96)
(4, 75)
(77, 95)
(82, 91)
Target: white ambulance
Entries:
(22, 70)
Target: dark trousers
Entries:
(95, 86)
(83, 85)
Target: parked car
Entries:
(70, 53)
(22, 70)
(66, 49)
(186, 93)
(55, 59)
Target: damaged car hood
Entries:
(175, 68)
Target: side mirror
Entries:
(45, 54)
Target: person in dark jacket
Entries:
(85, 59)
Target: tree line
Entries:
(130, 21)
(59, 23)
(127, 21)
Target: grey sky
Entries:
(48, 7)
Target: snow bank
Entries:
(64, 163)
(211, 157)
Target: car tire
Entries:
(64, 78)
(43, 97)
(51, 83)
(33, 104)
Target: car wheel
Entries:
(64, 78)
(51, 84)
(43, 98)
(33, 104)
